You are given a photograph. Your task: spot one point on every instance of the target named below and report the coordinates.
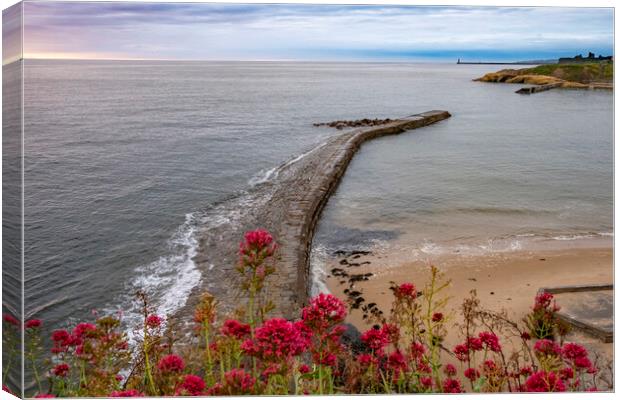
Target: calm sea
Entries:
(122, 158)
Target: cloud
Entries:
(243, 31)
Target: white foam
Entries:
(317, 270)
(169, 280)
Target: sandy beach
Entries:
(503, 281)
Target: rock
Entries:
(352, 338)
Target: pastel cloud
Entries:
(323, 32)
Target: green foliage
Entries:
(582, 73)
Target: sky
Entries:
(311, 32)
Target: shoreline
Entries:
(503, 281)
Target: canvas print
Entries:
(216, 199)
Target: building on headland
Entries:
(591, 58)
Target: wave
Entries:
(169, 280)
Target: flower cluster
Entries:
(251, 352)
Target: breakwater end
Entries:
(289, 205)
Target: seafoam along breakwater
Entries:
(288, 203)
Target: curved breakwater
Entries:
(288, 203)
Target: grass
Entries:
(582, 73)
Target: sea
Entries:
(123, 158)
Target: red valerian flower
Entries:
(547, 347)
(452, 386)
(490, 340)
(236, 329)
(153, 321)
(474, 344)
(61, 369)
(44, 396)
(324, 311)
(237, 381)
(375, 339)
(84, 329)
(437, 317)
(257, 241)
(424, 366)
(573, 351)
(275, 340)
(192, 385)
(397, 363)
(450, 370)
(582, 363)
(367, 360)
(461, 352)
(472, 374)
(33, 324)
(543, 300)
(304, 369)
(426, 382)
(127, 393)
(9, 319)
(526, 371)
(406, 290)
(543, 381)
(417, 350)
(525, 336)
(60, 335)
(567, 373)
(171, 364)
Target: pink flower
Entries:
(171, 364)
(257, 241)
(461, 352)
(567, 373)
(450, 370)
(426, 382)
(417, 350)
(84, 329)
(526, 371)
(236, 329)
(525, 336)
(472, 374)
(583, 363)
(153, 321)
(406, 290)
(237, 381)
(324, 311)
(60, 335)
(304, 369)
(489, 367)
(277, 339)
(452, 386)
(33, 323)
(44, 396)
(61, 370)
(375, 339)
(367, 360)
(547, 347)
(127, 393)
(573, 351)
(9, 319)
(474, 344)
(437, 317)
(397, 363)
(192, 385)
(490, 340)
(542, 381)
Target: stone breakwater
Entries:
(289, 205)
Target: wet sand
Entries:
(503, 281)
